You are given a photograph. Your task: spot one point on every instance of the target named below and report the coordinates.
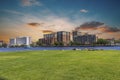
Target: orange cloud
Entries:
(47, 31)
(33, 24)
(108, 29)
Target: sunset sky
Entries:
(36, 17)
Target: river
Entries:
(59, 48)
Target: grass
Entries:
(60, 65)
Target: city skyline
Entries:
(37, 17)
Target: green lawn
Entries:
(60, 65)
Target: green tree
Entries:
(102, 41)
(58, 44)
(71, 43)
(61, 44)
(38, 43)
(4, 45)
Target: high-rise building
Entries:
(63, 37)
(23, 40)
(50, 39)
(59, 37)
(75, 34)
(84, 38)
(20, 41)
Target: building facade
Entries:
(12, 42)
(50, 39)
(84, 38)
(63, 37)
(57, 37)
(20, 41)
(1, 43)
(75, 34)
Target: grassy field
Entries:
(60, 65)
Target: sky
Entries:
(37, 17)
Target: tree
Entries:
(71, 43)
(102, 41)
(4, 45)
(56, 43)
(59, 44)
(38, 43)
(0, 45)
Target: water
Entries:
(58, 48)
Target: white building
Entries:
(12, 41)
(20, 41)
(1, 43)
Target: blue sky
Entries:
(106, 11)
(17, 14)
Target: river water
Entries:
(59, 48)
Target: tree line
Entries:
(100, 42)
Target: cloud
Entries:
(84, 11)
(98, 26)
(31, 3)
(47, 31)
(100, 29)
(34, 24)
(90, 25)
(13, 12)
(108, 29)
(49, 22)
